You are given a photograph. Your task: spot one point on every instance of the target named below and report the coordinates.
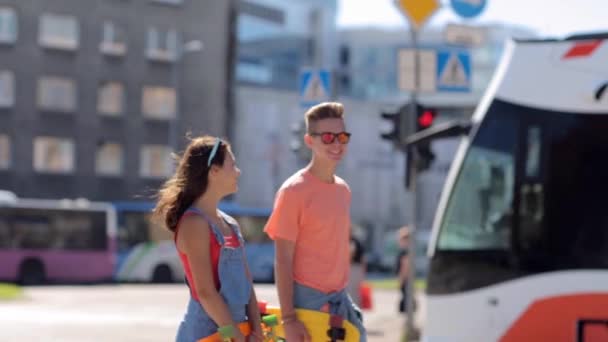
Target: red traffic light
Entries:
(426, 119)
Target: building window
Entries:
(8, 25)
(56, 94)
(7, 89)
(110, 98)
(168, 2)
(159, 102)
(53, 155)
(253, 72)
(156, 161)
(59, 32)
(113, 40)
(109, 159)
(5, 152)
(161, 45)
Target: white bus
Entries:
(56, 240)
(519, 250)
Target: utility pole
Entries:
(417, 12)
(412, 160)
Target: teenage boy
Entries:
(310, 225)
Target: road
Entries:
(137, 313)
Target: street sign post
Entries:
(464, 35)
(417, 12)
(453, 70)
(315, 86)
(406, 77)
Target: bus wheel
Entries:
(32, 272)
(162, 274)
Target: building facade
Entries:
(277, 38)
(94, 95)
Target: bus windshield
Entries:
(533, 184)
(483, 192)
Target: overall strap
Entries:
(234, 227)
(218, 234)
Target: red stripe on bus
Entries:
(582, 49)
(556, 318)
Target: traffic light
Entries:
(395, 122)
(296, 145)
(400, 126)
(425, 117)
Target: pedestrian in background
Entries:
(403, 265)
(209, 242)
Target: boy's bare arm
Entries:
(284, 275)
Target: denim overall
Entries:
(339, 302)
(235, 287)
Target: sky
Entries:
(550, 18)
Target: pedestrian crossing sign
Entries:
(453, 70)
(315, 86)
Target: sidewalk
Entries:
(384, 323)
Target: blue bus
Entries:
(146, 252)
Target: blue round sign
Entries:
(468, 8)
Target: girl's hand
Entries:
(238, 335)
(256, 336)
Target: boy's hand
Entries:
(296, 331)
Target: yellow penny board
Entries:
(317, 323)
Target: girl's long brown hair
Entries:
(189, 181)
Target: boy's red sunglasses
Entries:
(329, 137)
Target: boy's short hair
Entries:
(325, 110)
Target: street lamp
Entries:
(186, 48)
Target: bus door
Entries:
(562, 217)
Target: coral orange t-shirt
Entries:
(316, 216)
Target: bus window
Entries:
(479, 209)
(79, 231)
(5, 233)
(138, 227)
(561, 219)
(58, 229)
(133, 229)
(32, 231)
(253, 228)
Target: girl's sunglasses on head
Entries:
(329, 137)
